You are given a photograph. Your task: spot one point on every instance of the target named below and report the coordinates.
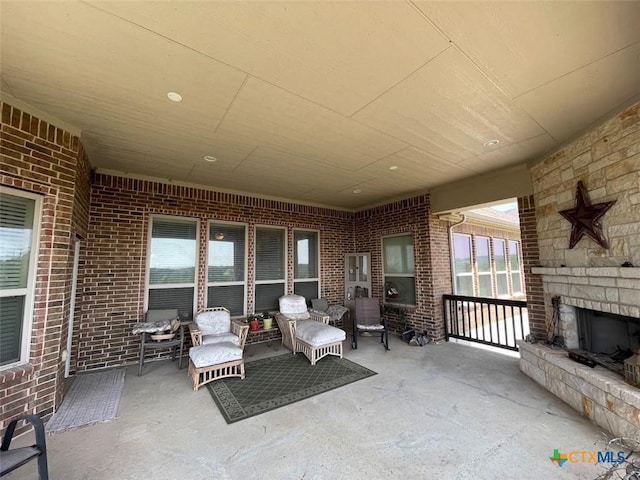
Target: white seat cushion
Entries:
(214, 354)
(361, 326)
(317, 333)
(219, 338)
(214, 322)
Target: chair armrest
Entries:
(286, 323)
(241, 331)
(196, 334)
(319, 316)
(36, 422)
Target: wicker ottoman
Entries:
(213, 361)
(317, 340)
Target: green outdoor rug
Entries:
(274, 382)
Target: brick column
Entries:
(531, 258)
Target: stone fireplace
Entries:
(599, 393)
(589, 279)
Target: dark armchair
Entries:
(16, 457)
(368, 320)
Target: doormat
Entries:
(274, 382)
(93, 398)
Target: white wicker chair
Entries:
(218, 346)
(307, 331)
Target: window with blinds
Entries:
(306, 261)
(19, 217)
(270, 267)
(172, 265)
(399, 270)
(226, 267)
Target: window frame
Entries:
(318, 261)
(504, 272)
(471, 260)
(245, 281)
(148, 285)
(480, 273)
(518, 271)
(32, 272)
(255, 262)
(386, 275)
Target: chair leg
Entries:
(141, 361)
(181, 352)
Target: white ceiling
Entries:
(310, 101)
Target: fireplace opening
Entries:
(609, 337)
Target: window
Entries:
(19, 220)
(172, 265)
(306, 278)
(514, 266)
(463, 264)
(500, 254)
(399, 270)
(270, 267)
(226, 267)
(483, 262)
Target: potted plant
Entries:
(254, 323)
(267, 320)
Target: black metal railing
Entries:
(490, 321)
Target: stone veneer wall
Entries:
(607, 160)
(40, 158)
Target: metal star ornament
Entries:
(585, 218)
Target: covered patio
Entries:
(444, 411)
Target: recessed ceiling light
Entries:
(491, 143)
(393, 167)
(210, 158)
(357, 190)
(174, 97)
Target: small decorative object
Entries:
(632, 369)
(585, 218)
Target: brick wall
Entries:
(113, 278)
(38, 157)
(440, 275)
(431, 253)
(531, 258)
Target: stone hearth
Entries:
(601, 395)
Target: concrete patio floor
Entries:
(443, 411)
